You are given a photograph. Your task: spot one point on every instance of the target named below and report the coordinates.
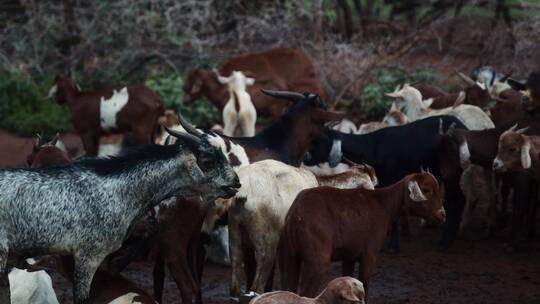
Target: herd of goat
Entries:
(309, 189)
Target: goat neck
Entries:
(393, 198)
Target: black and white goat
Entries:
(84, 209)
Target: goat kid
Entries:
(116, 109)
(325, 224)
(239, 114)
(340, 290)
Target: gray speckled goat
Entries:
(85, 208)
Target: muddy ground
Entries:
(470, 272)
(481, 271)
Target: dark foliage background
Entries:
(362, 48)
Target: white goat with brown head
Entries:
(239, 114)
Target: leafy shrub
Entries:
(25, 110)
(374, 102)
(169, 87)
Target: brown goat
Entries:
(441, 99)
(48, 154)
(116, 109)
(518, 152)
(277, 69)
(508, 109)
(326, 224)
(343, 290)
(179, 247)
(460, 148)
(530, 91)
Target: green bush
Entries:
(201, 113)
(25, 110)
(374, 102)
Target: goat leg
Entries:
(159, 278)
(85, 267)
(5, 296)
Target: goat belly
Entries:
(109, 108)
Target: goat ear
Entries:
(460, 99)
(348, 295)
(427, 103)
(516, 85)
(223, 80)
(250, 81)
(511, 129)
(415, 193)
(393, 94)
(55, 139)
(393, 107)
(481, 85)
(335, 156)
(526, 155)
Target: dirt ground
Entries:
(470, 272)
(481, 271)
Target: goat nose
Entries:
(497, 164)
(442, 215)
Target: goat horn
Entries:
(348, 161)
(465, 78)
(55, 139)
(189, 127)
(167, 140)
(38, 139)
(292, 96)
(416, 82)
(184, 136)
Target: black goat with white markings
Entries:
(84, 209)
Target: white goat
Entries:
(239, 114)
(269, 188)
(410, 100)
(31, 287)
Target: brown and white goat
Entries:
(239, 114)
(339, 290)
(277, 69)
(326, 224)
(258, 212)
(116, 109)
(518, 152)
